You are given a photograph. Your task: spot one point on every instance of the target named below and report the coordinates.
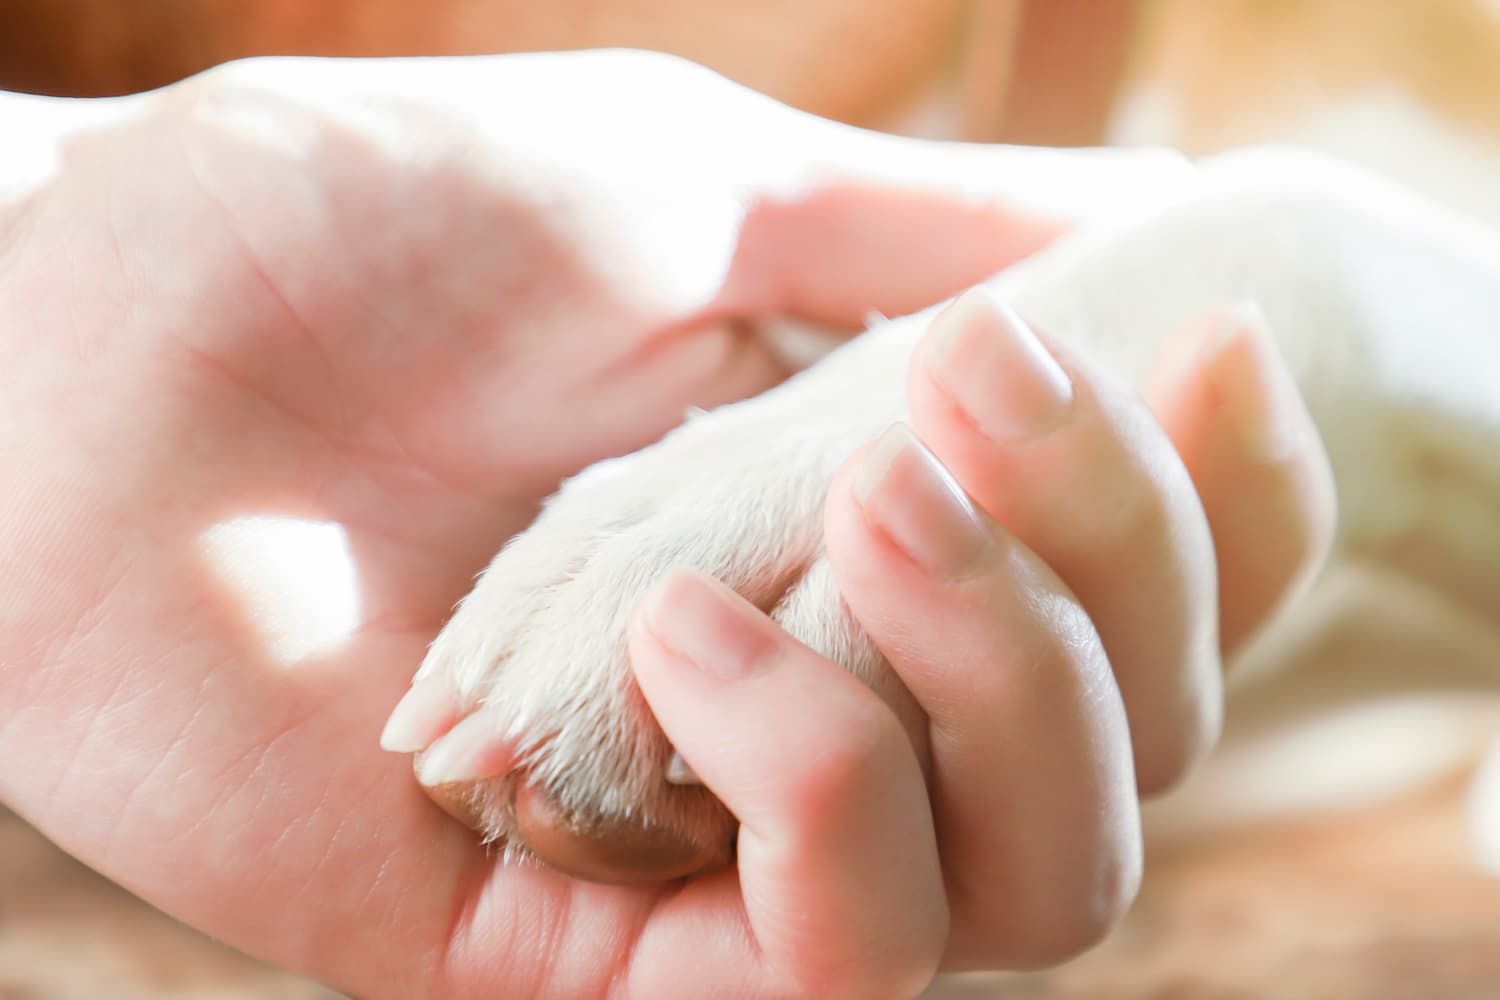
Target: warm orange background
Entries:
(1030, 71)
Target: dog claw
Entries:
(679, 773)
(424, 713)
(470, 751)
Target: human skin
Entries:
(407, 299)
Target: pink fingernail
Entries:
(428, 710)
(906, 491)
(709, 625)
(993, 366)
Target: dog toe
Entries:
(622, 851)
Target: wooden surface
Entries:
(1379, 905)
(67, 934)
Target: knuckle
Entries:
(1173, 750)
(892, 973)
(1067, 926)
(1161, 768)
(863, 739)
(1143, 494)
(1142, 503)
(1070, 665)
(1052, 945)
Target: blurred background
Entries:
(1377, 900)
(1051, 72)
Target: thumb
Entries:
(890, 224)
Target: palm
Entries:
(361, 857)
(423, 424)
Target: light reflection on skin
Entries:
(46, 124)
(294, 579)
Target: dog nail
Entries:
(993, 366)
(471, 751)
(425, 712)
(906, 491)
(679, 773)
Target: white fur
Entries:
(1386, 307)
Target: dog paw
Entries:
(525, 716)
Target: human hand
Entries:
(1066, 651)
(304, 293)
(326, 291)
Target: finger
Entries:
(1078, 469)
(837, 857)
(876, 222)
(1033, 790)
(1231, 407)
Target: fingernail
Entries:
(707, 624)
(906, 491)
(425, 712)
(471, 751)
(1260, 396)
(993, 366)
